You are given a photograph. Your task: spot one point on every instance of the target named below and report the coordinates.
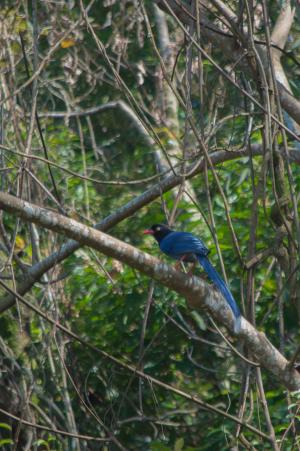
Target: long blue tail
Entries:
(215, 277)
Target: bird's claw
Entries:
(177, 265)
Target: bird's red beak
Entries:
(148, 232)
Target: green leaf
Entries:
(179, 444)
(6, 441)
(5, 426)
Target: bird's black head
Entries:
(159, 231)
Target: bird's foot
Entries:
(192, 269)
(177, 265)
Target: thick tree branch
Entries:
(169, 182)
(197, 293)
(279, 37)
(283, 25)
(290, 104)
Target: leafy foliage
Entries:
(102, 159)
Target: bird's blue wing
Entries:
(177, 244)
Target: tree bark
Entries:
(199, 295)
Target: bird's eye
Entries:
(158, 229)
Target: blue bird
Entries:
(184, 246)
